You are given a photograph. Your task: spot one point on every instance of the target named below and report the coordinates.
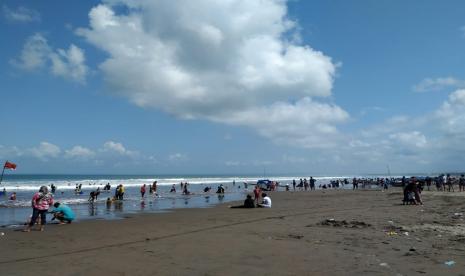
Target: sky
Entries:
(232, 87)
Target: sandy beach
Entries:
(333, 232)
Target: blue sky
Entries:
(186, 87)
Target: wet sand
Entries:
(336, 232)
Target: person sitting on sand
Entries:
(266, 201)
(248, 203)
(63, 213)
(207, 189)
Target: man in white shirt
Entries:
(266, 202)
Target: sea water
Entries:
(16, 212)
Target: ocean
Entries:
(15, 212)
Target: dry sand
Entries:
(298, 236)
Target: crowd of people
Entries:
(412, 188)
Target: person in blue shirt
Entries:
(63, 213)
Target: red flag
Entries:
(9, 165)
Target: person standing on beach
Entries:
(142, 191)
(256, 193)
(312, 183)
(450, 184)
(354, 183)
(41, 202)
(462, 183)
(154, 187)
(293, 184)
(117, 191)
(121, 192)
(444, 182)
(417, 191)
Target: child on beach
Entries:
(256, 193)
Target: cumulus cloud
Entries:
(45, 151)
(21, 14)
(37, 54)
(433, 140)
(69, 64)
(8, 152)
(451, 114)
(117, 148)
(109, 152)
(79, 152)
(438, 84)
(34, 54)
(223, 61)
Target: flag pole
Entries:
(1, 177)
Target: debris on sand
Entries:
(344, 223)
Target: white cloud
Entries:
(438, 84)
(409, 139)
(79, 152)
(34, 54)
(9, 152)
(37, 54)
(21, 14)
(45, 151)
(118, 148)
(224, 61)
(178, 157)
(69, 64)
(451, 114)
